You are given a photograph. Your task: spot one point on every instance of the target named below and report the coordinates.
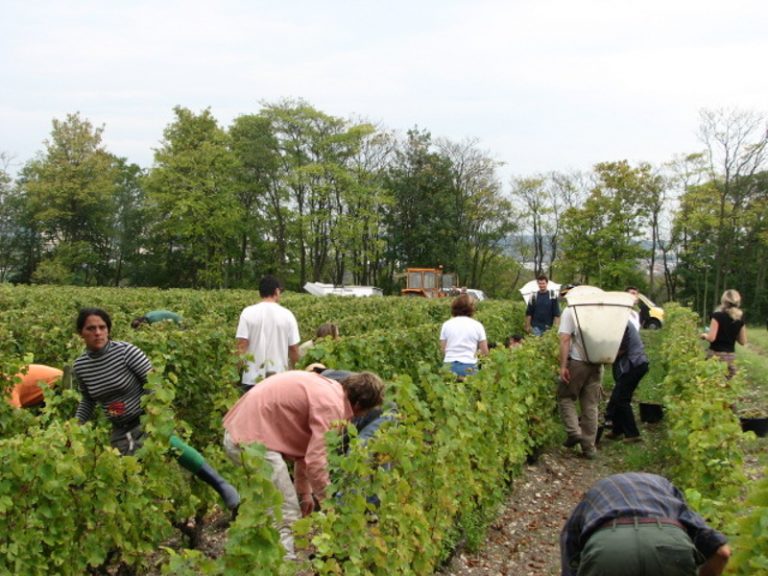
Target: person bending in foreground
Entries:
(637, 524)
(290, 413)
(113, 374)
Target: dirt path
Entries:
(524, 540)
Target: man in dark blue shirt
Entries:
(543, 309)
(638, 524)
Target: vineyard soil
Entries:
(524, 539)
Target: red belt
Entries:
(632, 520)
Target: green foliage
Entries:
(192, 199)
(751, 545)
(703, 434)
(440, 472)
(601, 235)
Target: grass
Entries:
(752, 361)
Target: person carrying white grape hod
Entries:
(290, 413)
(580, 381)
(113, 374)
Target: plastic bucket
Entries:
(757, 425)
(602, 318)
(651, 413)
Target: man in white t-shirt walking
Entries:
(269, 333)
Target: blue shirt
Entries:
(631, 494)
(543, 309)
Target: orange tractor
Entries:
(429, 283)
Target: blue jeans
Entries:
(462, 369)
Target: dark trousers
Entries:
(619, 409)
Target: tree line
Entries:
(294, 191)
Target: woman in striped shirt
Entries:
(112, 374)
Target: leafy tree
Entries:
(482, 217)
(266, 215)
(532, 196)
(684, 172)
(544, 199)
(422, 218)
(367, 204)
(8, 224)
(70, 190)
(314, 150)
(359, 202)
(600, 239)
(129, 221)
(192, 199)
(736, 145)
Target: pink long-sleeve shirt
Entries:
(290, 413)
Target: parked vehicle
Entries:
(651, 315)
(434, 283)
(428, 283)
(320, 289)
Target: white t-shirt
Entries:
(462, 335)
(270, 329)
(568, 326)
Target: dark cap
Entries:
(337, 375)
(564, 289)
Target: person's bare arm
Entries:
(742, 337)
(565, 350)
(712, 334)
(715, 564)
(293, 355)
(443, 344)
(482, 348)
(527, 325)
(241, 350)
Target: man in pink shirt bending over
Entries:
(290, 413)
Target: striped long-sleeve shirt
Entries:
(631, 494)
(114, 377)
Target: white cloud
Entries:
(543, 84)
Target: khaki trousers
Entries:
(281, 478)
(585, 388)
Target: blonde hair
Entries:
(730, 302)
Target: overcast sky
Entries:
(541, 84)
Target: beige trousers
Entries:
(585, 388)
(291, 511)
